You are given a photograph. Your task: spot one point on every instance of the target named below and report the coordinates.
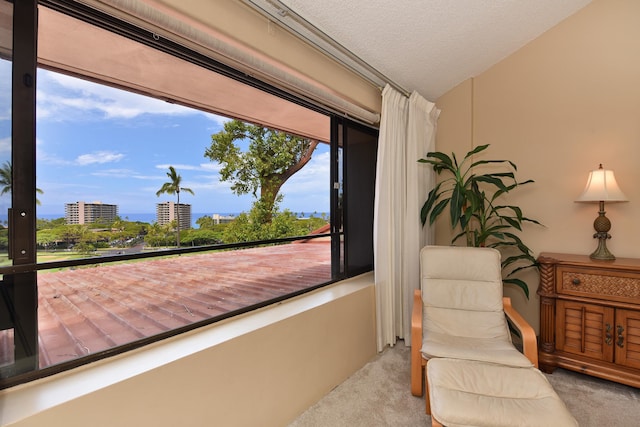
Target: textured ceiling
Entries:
(433, 45)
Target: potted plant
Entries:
(472, 200)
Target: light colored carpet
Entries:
(379, 395)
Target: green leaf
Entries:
(443, 161)
(519, 283)
(491, 180)
(476, 150)
(438, 210)
(456, 205)
(434, 194)
(457, 236)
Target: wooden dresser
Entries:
(590, 316)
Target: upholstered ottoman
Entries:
(470, 393)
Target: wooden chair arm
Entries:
(416, 314)
(417, 374)
(529, 341)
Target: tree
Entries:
(271, 159)
(6, 177)
(158, 235)
(250, 227)
(206, 222)
(6, 180)
(173, 187)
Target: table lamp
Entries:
(602, 187)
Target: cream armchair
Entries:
(460, 312)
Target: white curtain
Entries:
(407, 133)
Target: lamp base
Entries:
(601, 251)
(602, 225)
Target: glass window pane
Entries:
(124, 173)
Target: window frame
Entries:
(21, 278)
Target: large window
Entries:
(167, 192)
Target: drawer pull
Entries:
(620, 342)
(575, 281)
(608, 336)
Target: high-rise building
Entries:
(168, 211)
(87, 213)
(221, 219)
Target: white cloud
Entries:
(98, 157)
(312, 178)
(124, 173)
(5, 145)
(5, 90)
(209, 167)
(210, 183)
(219, 121)
(5, 114)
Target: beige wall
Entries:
(558, 107)
(263, 378)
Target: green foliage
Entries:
(6, 180)
(472, 200)
(206, 222)
(42, 224)
(4, 239)
(160, 235)
(173, 186)
(6, 177)
(271, 159)
(56, 234)
(85, 248)
(49, 237)
(200, 237)
(252, 226)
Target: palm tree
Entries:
(6, 180)
(173, 187)
(6, 177)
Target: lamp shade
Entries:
(602, 186)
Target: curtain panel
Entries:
(407, 133)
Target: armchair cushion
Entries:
(463, 312)
(478, 349)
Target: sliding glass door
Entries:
(18, 304)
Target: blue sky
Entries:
(96, 143)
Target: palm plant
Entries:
(6, 177)
(472, 199)
(173, 187)
(6, 180)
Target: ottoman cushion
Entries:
(471, 393)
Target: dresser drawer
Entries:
(611, 285)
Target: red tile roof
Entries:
(90, 309)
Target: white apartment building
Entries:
(222, 219)
(168, 211)
(87, 213)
